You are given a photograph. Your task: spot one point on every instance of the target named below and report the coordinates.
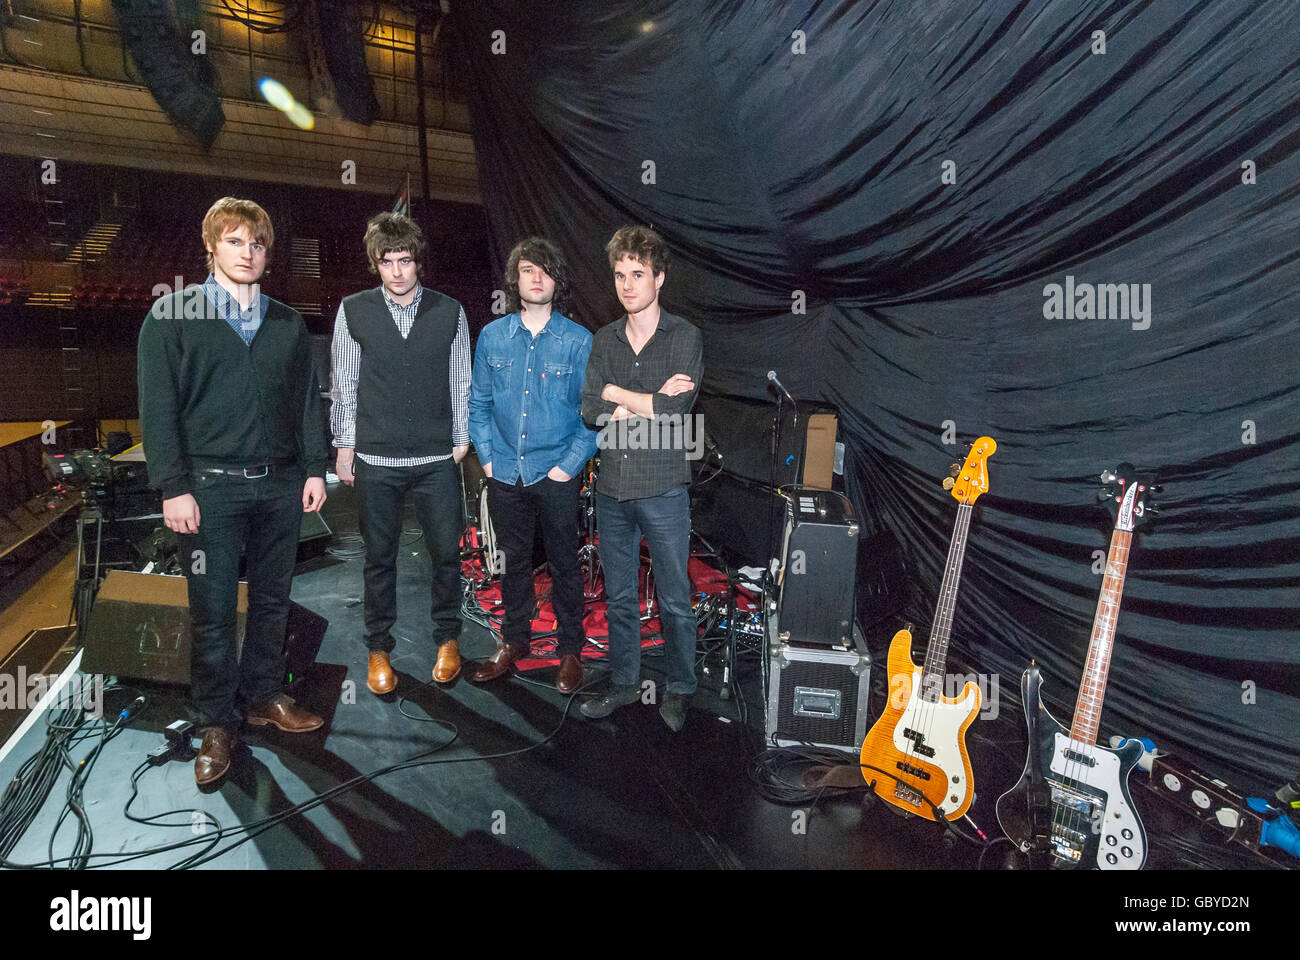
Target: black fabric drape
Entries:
(822, 173)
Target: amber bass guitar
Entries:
(915, 755)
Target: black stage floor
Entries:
(512, 775)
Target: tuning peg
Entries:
(1152, 507)
(1104, 494)
(954, 470)
(1156, 488)
(1108, 476)
(949, 483)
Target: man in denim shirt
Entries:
(525, 424)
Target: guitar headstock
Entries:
(970, 479)
(1128, 497)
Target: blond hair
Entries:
(230, 213)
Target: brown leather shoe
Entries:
(282, 712)
(570, 676)
(447, 667)
(497, 665)
(381, 678)
(214, 756)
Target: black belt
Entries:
(248, 473)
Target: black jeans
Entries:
(435, 490)
(515, 510)
(260, 518)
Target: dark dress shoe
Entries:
(447, 667)
(380, 678)
(673, 710)
(498, 665)
(282, 712)
(570, 676)
(214, 756)
(604, 706)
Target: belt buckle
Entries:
(266, 468)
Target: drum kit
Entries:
(480, 547)
(486, 551)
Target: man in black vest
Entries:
(234, 437)
(401, 371)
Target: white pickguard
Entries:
(1118, 816)
(941, 723)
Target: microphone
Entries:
(773, 379)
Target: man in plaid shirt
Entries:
(401, 375)
(641, 382)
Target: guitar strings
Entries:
(1098, 662)
(928, 707)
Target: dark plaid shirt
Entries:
(640, 457)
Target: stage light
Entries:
(278, 96)
(276, 93)
(301, 116)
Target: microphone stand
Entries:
(769, 579)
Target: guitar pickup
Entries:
(1074, 801)
(918, 742)
(1075, 756)
(913, 771)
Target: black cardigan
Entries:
(208, 399)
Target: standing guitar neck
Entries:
(936, 653)
(1092, 691)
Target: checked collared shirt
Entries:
(641, 457)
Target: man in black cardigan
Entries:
(234, 438)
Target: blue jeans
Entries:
(665, 521)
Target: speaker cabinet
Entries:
(818, 567)
(817, 696)
(140, 629)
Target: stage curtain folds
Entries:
(918, 176)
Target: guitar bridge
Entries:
(1068, 844)
(905, 793)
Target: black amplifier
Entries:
(816, 695)
(819, 558)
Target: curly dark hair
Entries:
(393, 233)
(546, 255)
(639, 243)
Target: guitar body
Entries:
(918, 746)
(1072, 806)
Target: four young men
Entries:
(234, 437)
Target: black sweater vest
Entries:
(404, 387)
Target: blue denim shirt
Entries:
(525, 397)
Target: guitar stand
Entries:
(589, 554)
